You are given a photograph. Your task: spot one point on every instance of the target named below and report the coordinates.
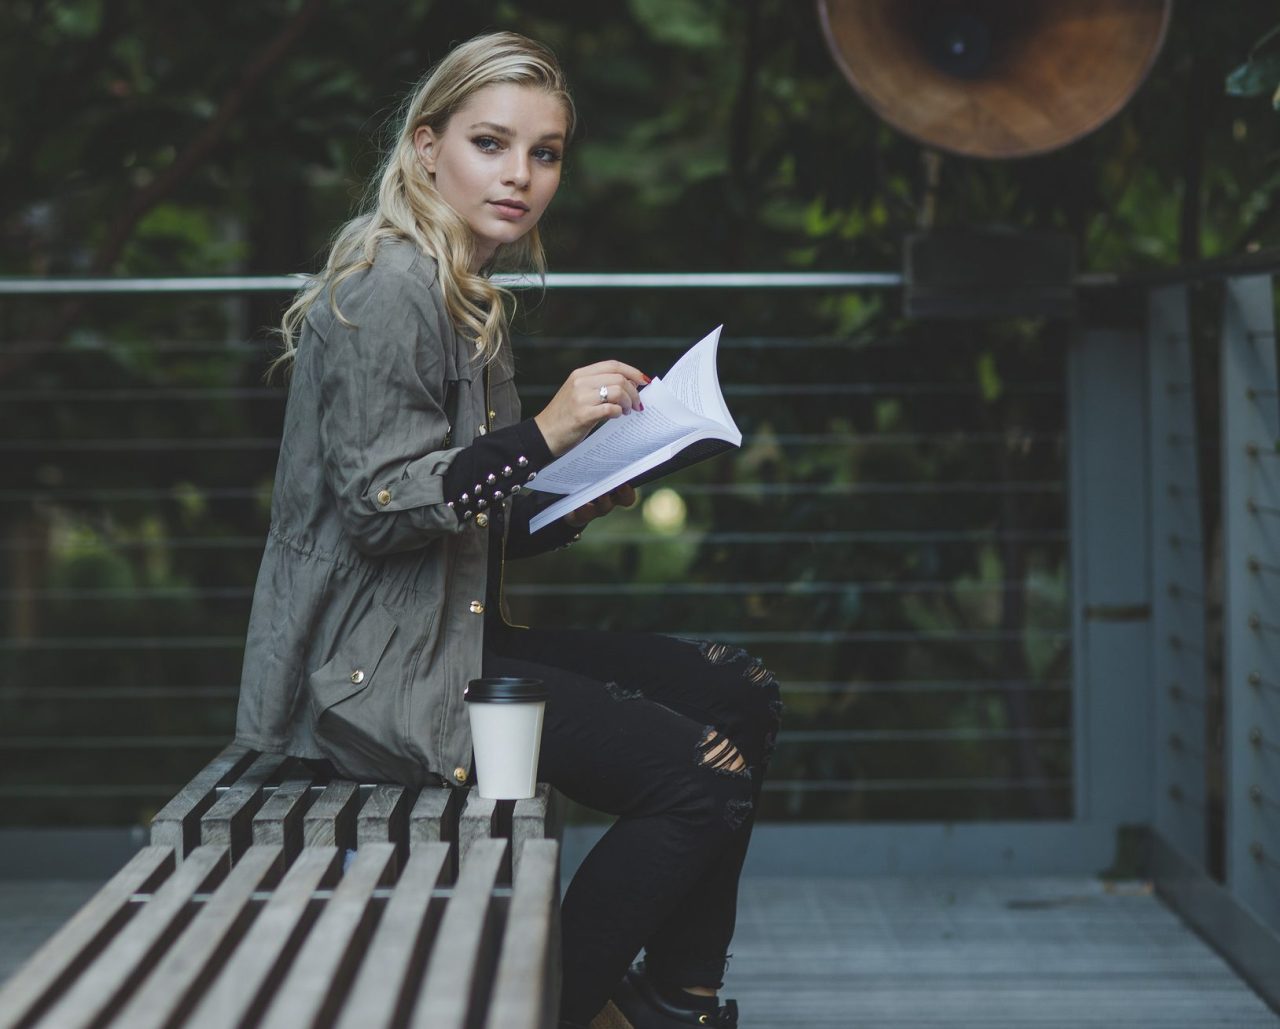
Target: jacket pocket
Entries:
(354, 699)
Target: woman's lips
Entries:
(508, 210)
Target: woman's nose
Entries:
(517, 170)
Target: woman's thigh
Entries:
(711, 683)
(616, 751)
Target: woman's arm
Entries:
(382, 418)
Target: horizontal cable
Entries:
(150, 493)
(870, 489)
(871, 536)
(273, 442)
(851, 389)
(99, 791)
(918, 735)
(123, 643)
(127, 348)
(925, 686)
(139, 444)
(750, 538)
(130, 593)
(88, 791)
(799, 389)
(133, 395)
(157, 742)
(779, 489)
(240, 348)
(763, 636)
(789, 686)
(60, 693)
(908, 785)
(14, 286)
(590, 589)
(868, 636)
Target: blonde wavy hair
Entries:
(402, 201)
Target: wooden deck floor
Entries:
(894, 953)
(980, 953)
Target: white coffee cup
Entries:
(506, 735)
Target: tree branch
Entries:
(200, 147)
(146, 198)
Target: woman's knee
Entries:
(721, 781)
(759, 702)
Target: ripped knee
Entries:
(719, 754)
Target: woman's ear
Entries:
(424, 143)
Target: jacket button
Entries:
(477, 608)
(493, 414)
(384, 497)
(357, 676)
(483, 429)
(460, 774)
(482, 519)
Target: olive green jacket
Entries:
(367, 614)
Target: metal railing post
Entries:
(1110, 600)
(1251, 594)
(1177, 577)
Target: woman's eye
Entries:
(486, 143)
(546, 155)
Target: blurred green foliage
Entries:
(714, 135)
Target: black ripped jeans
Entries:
(636, 726)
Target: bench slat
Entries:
(384, 818)
(330, 821)
(244, 985)
(332, 950)
(126, 959)
(434, 818)
(227, 823)
(168, 992)
(49, 971)
(478, 821)
(467, 944)
(279, 820)
(177, 824)
(540, 817)
(526, 987)
(386, 983)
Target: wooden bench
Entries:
(241, 913)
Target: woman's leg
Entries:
(729, 693)
(628, 756)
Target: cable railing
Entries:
(887, 536)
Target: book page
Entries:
(694, 381)
(619, 442)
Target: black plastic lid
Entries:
(505, 690)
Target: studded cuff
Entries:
(497, 465)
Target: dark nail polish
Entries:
(640, 404)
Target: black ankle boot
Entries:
(639, 1002)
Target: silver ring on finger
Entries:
(604, 394)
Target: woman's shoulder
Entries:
(399, 264)
(400, 272)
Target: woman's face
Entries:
(497, 163)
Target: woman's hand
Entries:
(578, 405)
(623, 496)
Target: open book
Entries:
(684, 421)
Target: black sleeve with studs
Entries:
(496, 465)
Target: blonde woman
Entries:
(400, 491)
